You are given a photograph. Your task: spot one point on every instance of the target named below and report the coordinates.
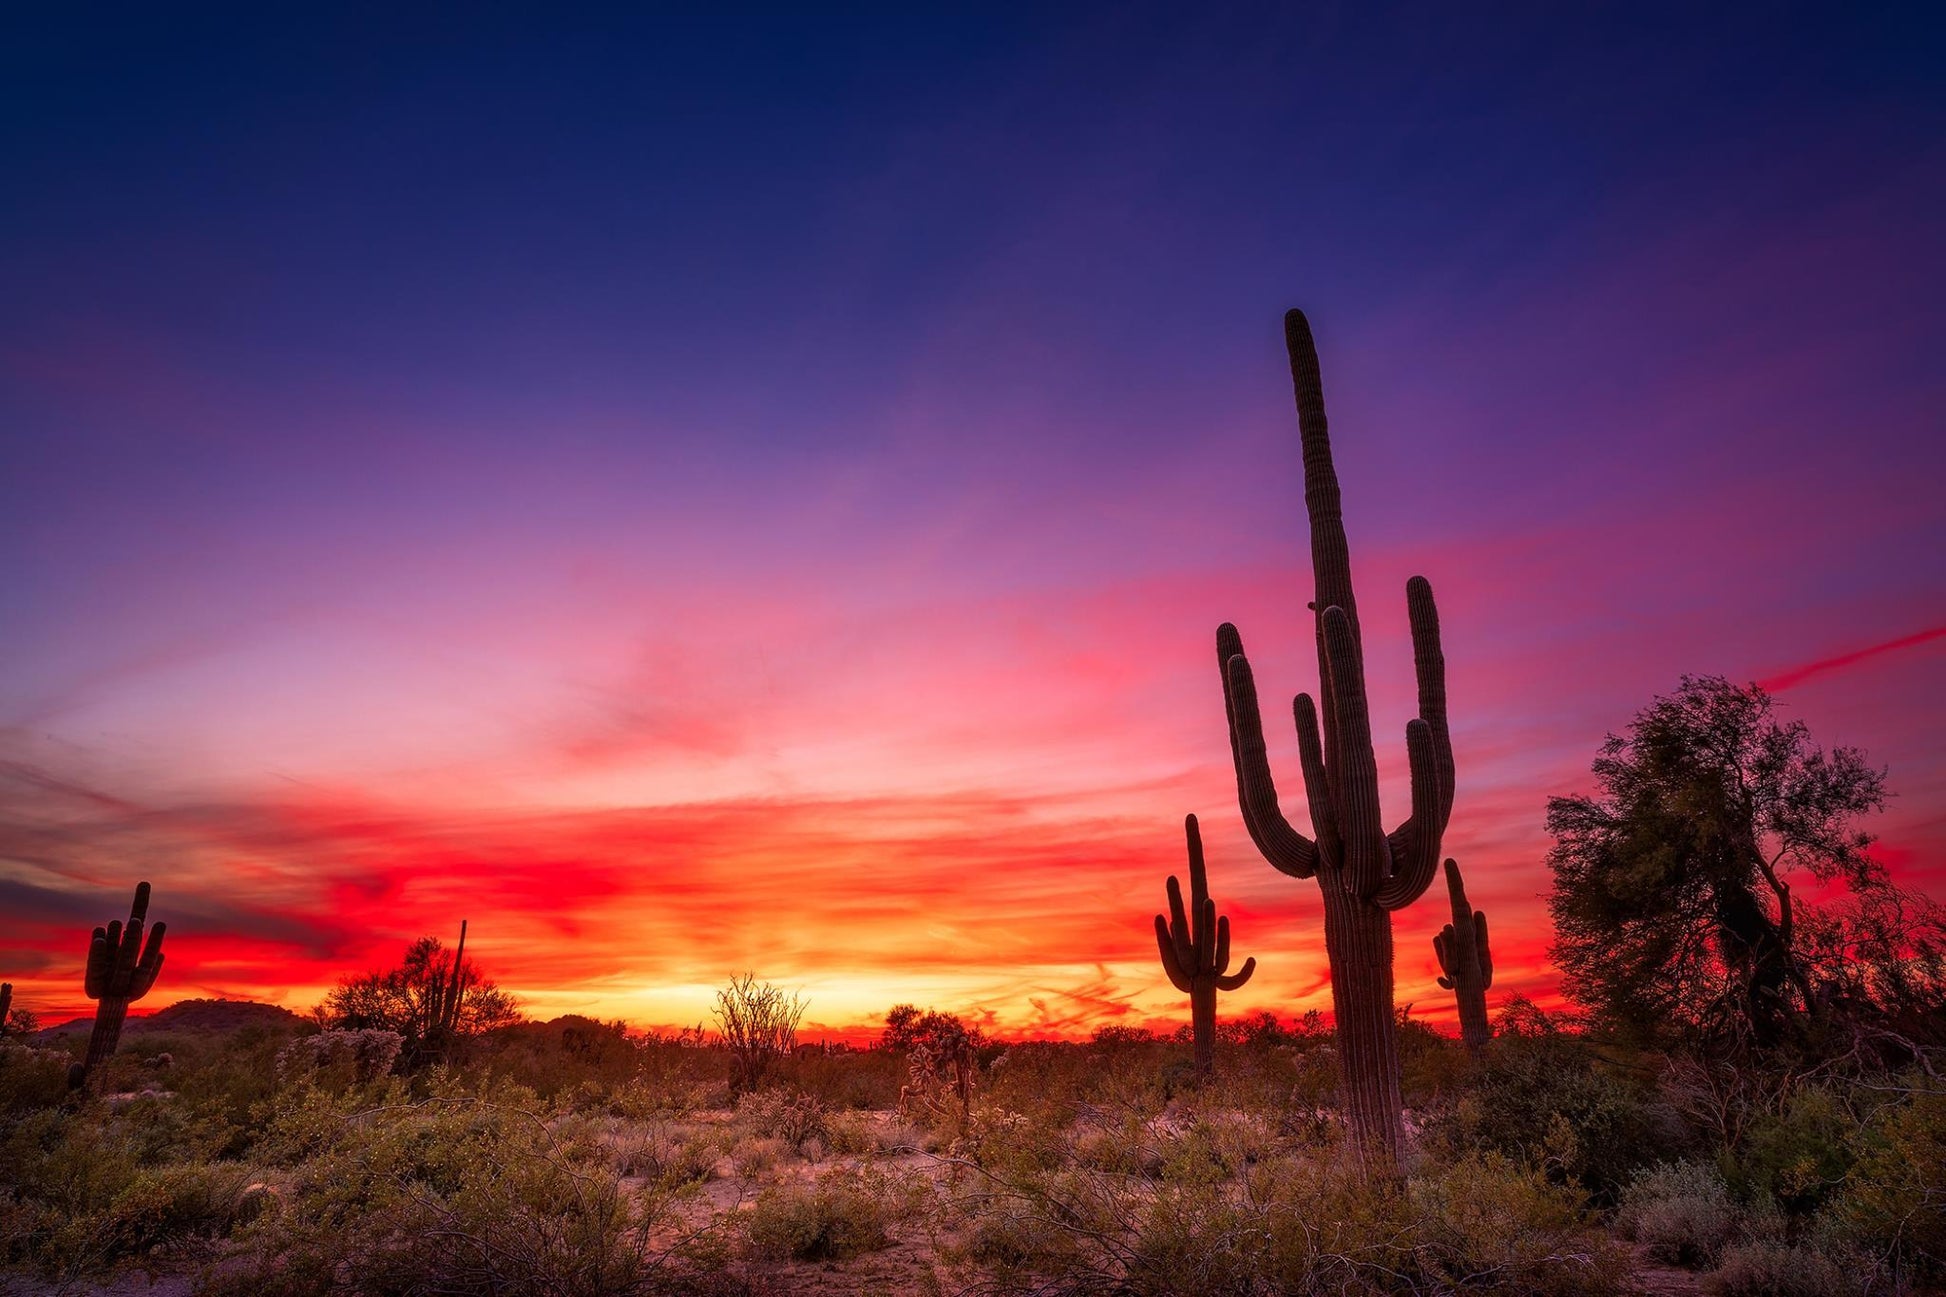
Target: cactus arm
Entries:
(1287, 850)
(1481, 951)
(1429, 666)
(1179, 926)
(1317, 779)
(149, 965)
(1367, 855)
(1220, 964)
(95, 981)
(1202, 910)
(1238, 978)
(1415, 845)
(1170, 964)
(1442, 948)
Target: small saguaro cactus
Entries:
(446, 998)
(1466, 962)
(121, 969)
(1364, 873)
(6, 1004)
(1195, 948)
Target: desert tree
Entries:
(1675, 915)
(433, 999)
(758, 1022)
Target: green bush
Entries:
(1797, 1158)
(843, 1214)
(1768, 1268)
(1545, 1100)
(457, 1193)
(32, 1079)
(1895, 1198)
(1681, 1212)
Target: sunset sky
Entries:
(694, 494)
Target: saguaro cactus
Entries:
(121, 969)
(446, 998)
(1466, 961)
(1196, 951)
(6, 1004)
(1364, 873)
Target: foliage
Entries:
(1220, 1206)
(1682, 1212)
(1773, 1268)
(840, 1215)
(1674, 915)
(759, 1026)
(339, 1059)
(409, 998)
(1894, 1200)
(1542, 1097)
(461, 1192)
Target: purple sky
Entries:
(783, 478)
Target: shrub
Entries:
(662, 1153)
(1797, 1157)
(1895, 1198)
(32, 1078)
(456, 1193)
(337, 1060)
(1681, 1212)
(843, 1214)
(778, 1114)
(1544, 1100)
(1767, 1268)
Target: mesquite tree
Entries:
(1364, 873)
(121, 969)
(1467, 962)
(1195, 948)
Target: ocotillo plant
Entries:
(1363, 872)
(1466, 961)
(121, 969)
(1195, 950)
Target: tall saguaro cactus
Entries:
(121, 969)
(1364, 873)
(1196, 951)
(1466, 961)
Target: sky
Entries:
(701, 491)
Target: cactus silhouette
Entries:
(121, 969)
(1195, 950)
(443, 1009)
(6, 1004)
(1466, 961)
(1364, 873)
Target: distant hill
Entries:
(194, 1015)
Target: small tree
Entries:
(1673, 907)
(942, 1056)
(759, 1026)
(433, 999)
